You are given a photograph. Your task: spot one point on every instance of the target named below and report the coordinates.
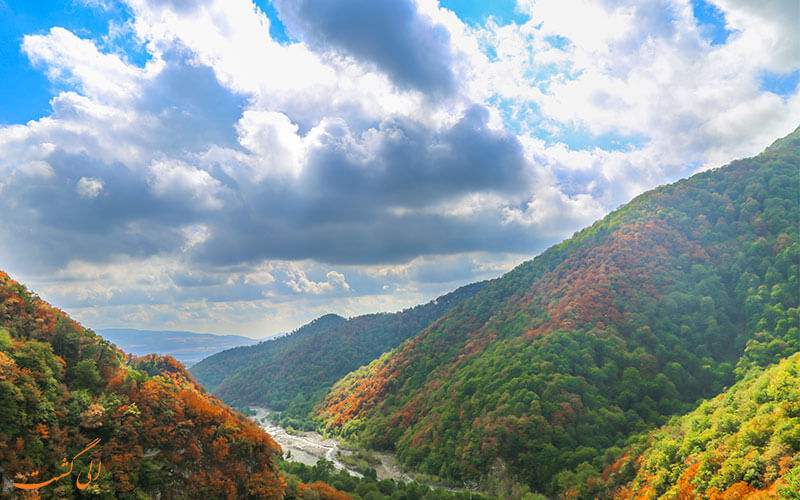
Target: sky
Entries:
(234, 167)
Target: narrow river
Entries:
(308, 447)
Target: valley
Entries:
(308, 447)
(440, 250)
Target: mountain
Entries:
(212, 371)
(186, 347)
(743, 443)
(547, 373)
(130, 427)
(292, 373)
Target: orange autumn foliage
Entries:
(322, 491)
(736, 491)
(160, 433)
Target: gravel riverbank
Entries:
(308, 447)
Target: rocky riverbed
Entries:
(308, 447)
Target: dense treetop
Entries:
(744, 442)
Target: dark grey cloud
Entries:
(193, 109)
(416, 166)
(382, 238)
(346, 210)
(180, 113)
(391, 34)
(55, 225)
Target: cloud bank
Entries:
(385, 153)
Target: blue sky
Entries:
(26, 91)
(241, 167)
(711, 22)
(477, 12)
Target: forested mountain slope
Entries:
(214, 369)
(160, 434)
(743, 443)
(292, 373)
(546, 373)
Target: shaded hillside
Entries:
(160, 434)
(745, 443)
(186, 347)
(214, 369)
(546, 373)
(292, 373)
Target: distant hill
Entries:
(186, 347)
(212, 371)
(545, 375)
(145, 428)
(292, 373)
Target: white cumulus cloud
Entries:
(89, 187)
